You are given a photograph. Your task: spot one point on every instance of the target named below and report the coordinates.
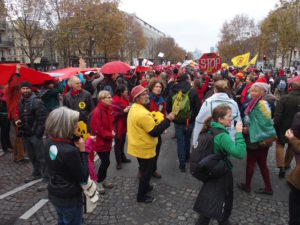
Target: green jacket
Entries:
(50, 97)
(223, 143)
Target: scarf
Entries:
(157, 99)
(252, 104)
(244, 92)
(105, 109)
(119, 104)
(75, 92)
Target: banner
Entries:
(241, 60)
(252, 62)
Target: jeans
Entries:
(35, 150)
(294, 206)
(183, 137)
(102, 171)
(146, 168)
(69, 215)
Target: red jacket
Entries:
(119, 116)
(201, 91)
(101, 126)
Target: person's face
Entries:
(143, 98)
(237, 80)
(147, 78)
(26, 92)
(76, 84)
(107, 100)
(125, 93)
(226, 121)
(157, 89)
(255, 92)
(51, 86)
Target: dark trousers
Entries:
(119, 148)
(294, 206)
(102, 171)
(157, 153)
(259, 156)
(35, 151)
(5, 128)
(146, 169)
(69, 215)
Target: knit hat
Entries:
(261, 80)
(240, 76)
(137, 90)
(26, 84)
(264, 86)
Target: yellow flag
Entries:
(241, 60)
(252, 62)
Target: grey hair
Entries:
(71, 80)
(61, 122)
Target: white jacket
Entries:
(206, 111)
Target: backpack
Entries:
(104, 85)
(181, 106)
(89, 87)
(203, 148)
(282, 85)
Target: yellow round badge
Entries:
(81, 105)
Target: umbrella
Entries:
(26, 74)
(68, 72)
(295, 78)
(115, 67)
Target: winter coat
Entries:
(68, 167)
(207, 108)
(101, 125)
(81, 103)
(293, 177)
(286, 108)
(32, 113)
(195, 105)
(296, 125)
(119, 116)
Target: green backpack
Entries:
(181, 106)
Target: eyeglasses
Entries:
(108, 97)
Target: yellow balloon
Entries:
(82, 130)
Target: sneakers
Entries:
(107, 184)
(156, 175)
(263, 191)
(100, 188)
(281, 172)
(32, 178)
(243, 187)
(147, 199)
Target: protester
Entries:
(157, 104)
(142, 139)
(4, 124)
(260, 134)
(120, 107)
(293, 177)
(31, 125)
(220, 96)
(102, 127)
(68, 165)
(184, 126)
(78, 99)
(50, 95)
(287, 106)
(201, 87)
(238, 87)
(219, 191)
(280, 84)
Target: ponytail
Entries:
(206, 125)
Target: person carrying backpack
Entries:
(183, 100)
(215, 198)
(280, 84)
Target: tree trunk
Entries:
(291, 51)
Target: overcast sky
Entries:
(195, 23)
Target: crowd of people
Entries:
(251, 109)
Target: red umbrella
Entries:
(295, 78)
(33, 76)
(68, 72)
(115, 67)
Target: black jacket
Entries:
(81, 103)
(67, 169)
(32, 113)
(286, 108)
(195, 104)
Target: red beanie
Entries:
(261, 80)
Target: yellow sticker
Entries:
(81, 105)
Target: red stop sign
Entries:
(210, 62)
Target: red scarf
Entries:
(106, 109)
(251, 104)
(75, 92)
(119, 104)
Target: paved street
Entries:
(175, 194)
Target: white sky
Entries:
(195, 23)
